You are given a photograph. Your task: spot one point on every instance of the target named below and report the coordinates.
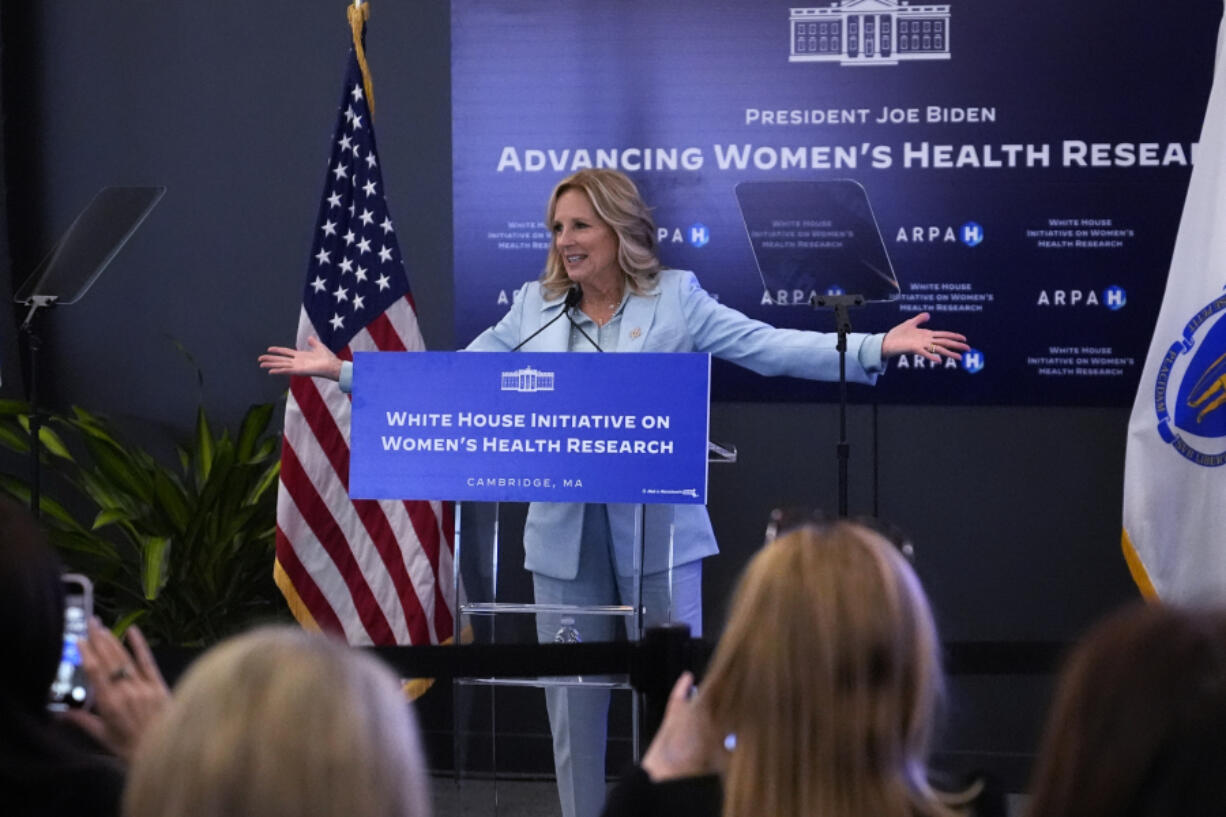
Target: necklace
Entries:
(599, 307)
(602, 321)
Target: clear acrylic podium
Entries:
(501, 728)
(518, 427)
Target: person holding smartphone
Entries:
(46, 766)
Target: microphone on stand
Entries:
(573, 296)
(577, 326)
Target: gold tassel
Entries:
(358, 15)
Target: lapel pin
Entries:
(635, 332)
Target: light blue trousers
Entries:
(579, 717)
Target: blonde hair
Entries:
(828, 674)
(282, 723)
(618, 204)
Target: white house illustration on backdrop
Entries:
(870, 32)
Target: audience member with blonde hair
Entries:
(826, 682)
(282, 723)
(1138, 727)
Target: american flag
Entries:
(380, 572)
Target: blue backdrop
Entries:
(1026, 162)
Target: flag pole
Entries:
(358, 14)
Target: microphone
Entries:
(581, 332)
(573, 296)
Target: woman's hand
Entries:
(909, 338)
(687, 744)
(317, 361)
(129, 692)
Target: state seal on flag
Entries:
(1190, 390)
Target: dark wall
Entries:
(231, 106)
(1015, 511)
(10, 373)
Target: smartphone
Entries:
(70, 689)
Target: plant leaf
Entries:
(171, 500)
(109, 516)
(86, 544)
(14, 439)
(204, 447)
(255, 421)
(52, 443)
(126, 468)
(12, 407)
(55, 512)
(268, 447)
(91, 425)
(127, 620)
(183, 350)
(266, 480)
(155, 552)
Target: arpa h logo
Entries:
(699, 235)
(971, 234)
(696, 235)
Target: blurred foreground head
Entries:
(828, 673)
(32, 609)
(282, 723)
(1138, 726)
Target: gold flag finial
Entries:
(359, 13)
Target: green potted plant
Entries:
(186, 551)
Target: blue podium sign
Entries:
(518, 426)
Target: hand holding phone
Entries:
(128, 688)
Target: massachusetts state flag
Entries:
(378, 572)
(1175, 473)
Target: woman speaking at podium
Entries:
(604, 289)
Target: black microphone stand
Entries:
(573, 296)
(842, 320)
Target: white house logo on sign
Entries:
(527, 380)
(870, 32)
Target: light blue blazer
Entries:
(676, 316)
